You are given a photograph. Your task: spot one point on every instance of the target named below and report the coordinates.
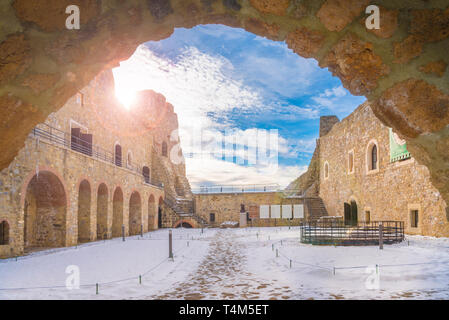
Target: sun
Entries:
(125, 95)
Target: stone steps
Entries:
(317, 209)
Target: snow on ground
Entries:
(423, 272)
(235, 264)
(106, 261)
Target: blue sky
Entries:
(226, 78)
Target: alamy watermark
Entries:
(73, 20)
(72, 282)
(372, 282)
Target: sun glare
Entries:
(125, 95)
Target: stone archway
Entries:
(84, 205)
(45, 210)
(399, 68)
(185, 223)
(117, 213)
(102, 212)
(135, 214)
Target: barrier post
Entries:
(141, 230)
(123, 232)
(277, 253)
(290, 263)
(170, 244)
(96, 286)
(140, 279)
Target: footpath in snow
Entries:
(253, 263)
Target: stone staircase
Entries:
(184, 209)
(316, 208)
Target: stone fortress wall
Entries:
(59, 192)
(390, 191)
(226, 207)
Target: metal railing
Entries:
(237, 188)
(336, 232)
(66, 140)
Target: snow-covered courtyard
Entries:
(257, 263)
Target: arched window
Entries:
(164, 149)
(372, 156)
(118, 155)
(146, 174)
(4, 233)
(351, 162)
(129, 160)
(326, 170)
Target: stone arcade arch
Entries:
(45, 210)
(135, 213)
(183, 224)
(84, 214)
(399, 68)
(102, 212)
(151, 213)
(117, 212)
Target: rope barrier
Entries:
(358, 267)
(97, 283)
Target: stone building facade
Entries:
(218, 208)
(356, 171)
(92, 171)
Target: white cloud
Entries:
(198, 84)
(331, 99)
(335, 92)
(204, 172)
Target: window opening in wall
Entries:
(164, 149)
(4, 233)
(81, 142)
(367, 216)
(414, 218)
(351, 162)
(118, 155)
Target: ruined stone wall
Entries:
(388, 193)
(226, 206)
(96, 111)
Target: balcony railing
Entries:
(237, 189)
(66, 140)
